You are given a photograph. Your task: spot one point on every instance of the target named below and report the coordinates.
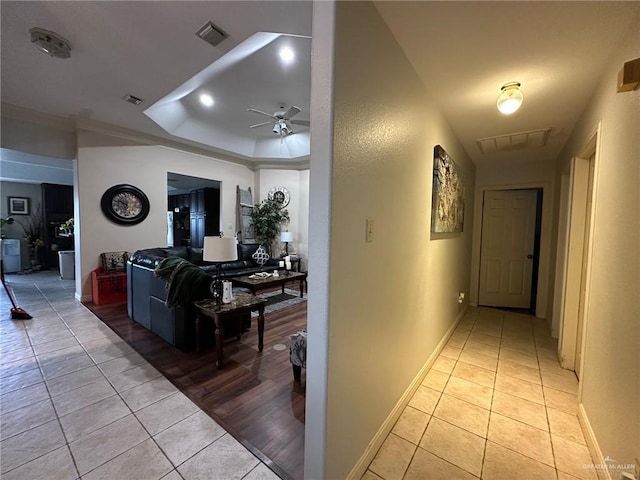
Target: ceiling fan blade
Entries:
(305, 123)
(260, 112)
(292, 112)
(261, 124)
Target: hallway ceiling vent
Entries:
(513, 141)
(132, 99)
(212, 34)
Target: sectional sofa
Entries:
(147, 295)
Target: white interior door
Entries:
(585, 260)
(506, 252)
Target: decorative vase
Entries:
(227, 292)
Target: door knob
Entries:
(529, 256)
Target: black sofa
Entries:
(147, 295)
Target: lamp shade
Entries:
(286, 237)
(219, 249)
(510, 99)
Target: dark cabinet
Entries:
(179, 205)
(57, 208)
(204, 214)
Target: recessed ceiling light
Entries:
(286, 54)
(206, 100)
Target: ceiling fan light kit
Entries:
(281, 120)
(50, 43)
(510, 99)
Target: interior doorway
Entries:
(575, 269)
(510, 248)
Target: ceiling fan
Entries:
(281, 120)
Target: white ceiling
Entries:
(149, 49)
(463, 52)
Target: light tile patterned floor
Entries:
(495, 405)
(77, 402)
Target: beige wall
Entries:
(391, 301)
(106, 161)
(610, 383)
(297, 183)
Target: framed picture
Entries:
(18, 206)
(447, 206)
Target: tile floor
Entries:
(77, 402)
(495, 405)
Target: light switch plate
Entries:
(369, 232)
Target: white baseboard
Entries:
(378, 439)
(592, 444)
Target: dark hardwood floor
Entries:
(253, 397)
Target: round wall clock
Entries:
(279, 194)
(125, 204)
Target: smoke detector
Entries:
(50, 43)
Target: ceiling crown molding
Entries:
(41, 118)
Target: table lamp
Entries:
(286, 237)
(219, 249)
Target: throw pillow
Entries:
(114, 261)
(261, 256)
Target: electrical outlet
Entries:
(369, 233)
(460, 297)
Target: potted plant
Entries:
(32, 227)
(3, 222)
(267, 220)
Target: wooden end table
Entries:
(256, 284)
(242, 302)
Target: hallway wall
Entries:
(390, 301)
(610, 383)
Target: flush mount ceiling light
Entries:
(50, 43)
(510, 99)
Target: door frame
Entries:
(576, 259)
(544, 264)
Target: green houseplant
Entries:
(267, 219)
(3, 222)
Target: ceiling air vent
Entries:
(513, 141)
(211, 34)
(131, 99)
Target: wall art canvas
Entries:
(447, 206)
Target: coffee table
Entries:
(256, 284)
(242, 302)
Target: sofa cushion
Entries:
(182, 252)
(195, 255)
(237, 265)
(114, 261)
(260, 256)
(246, 250)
